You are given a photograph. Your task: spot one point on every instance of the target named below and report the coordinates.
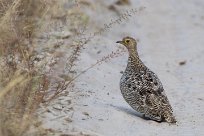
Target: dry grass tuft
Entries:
(21, 84)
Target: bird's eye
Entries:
(127, 41)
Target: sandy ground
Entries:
(169, 32)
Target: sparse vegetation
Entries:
(25, 81)
(24, 84)
(21, 83)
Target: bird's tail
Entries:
(169, 117)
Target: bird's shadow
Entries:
(130, 111)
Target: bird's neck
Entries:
(134, 60)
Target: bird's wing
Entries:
(155, 95)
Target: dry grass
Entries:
(21, 84)
(24, 85)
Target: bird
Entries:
(142, 89)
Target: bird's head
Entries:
(129, 42)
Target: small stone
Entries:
(86, 113)
(182, 63)
(61, 35)
(98, 52)
(100, 119)
(57, 107)
(68, 119)
(122, 2)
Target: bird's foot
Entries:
(144, 117)
(157, 119)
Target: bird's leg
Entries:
(157, 119)
(144, 115)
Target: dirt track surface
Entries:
(171, 43)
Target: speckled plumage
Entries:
(142, 89)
